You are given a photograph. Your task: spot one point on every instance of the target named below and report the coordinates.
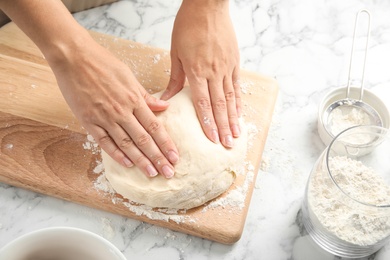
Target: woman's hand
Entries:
(101, 90)
(115, 109)
(204, 49)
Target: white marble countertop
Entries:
(305, 45)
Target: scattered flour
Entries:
(234, 199)
(264, 164)
(99, 167)
(156, 58)
(90, 144)
(102, 184)
(9, 146)
(252, 132)
(156, 215)
(339, 214)
(246, 87)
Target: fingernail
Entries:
(214, 136)
(127, 162)
(167, 171)
(236, 130)
(229, 141)
(151, 171)
(173, 157)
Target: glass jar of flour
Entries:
(346, 207)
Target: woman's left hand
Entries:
(205, 50)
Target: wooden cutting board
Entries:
(43, 145)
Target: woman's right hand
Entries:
(114, 108)
(101, 90)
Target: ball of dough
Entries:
(205, 169)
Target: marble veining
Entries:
(305, 45)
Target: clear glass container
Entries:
(346, 206)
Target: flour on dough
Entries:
(205, 169)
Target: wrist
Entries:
(66, 47)
(206, 6)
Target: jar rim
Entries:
(383, 131)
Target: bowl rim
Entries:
(56, 229)
(325, 135)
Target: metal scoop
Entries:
(348, 104)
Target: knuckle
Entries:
(166, 144)
(238, 101)
(236, 83)
(220, 104)
(134, 99)
(196, 69)
(208, 121)
(143, 140)
(154, 126)
(224, 127)
(118, 108)
(203, 104)
(229, 96)
(215, 67)
(104, 139)
(139, 160)
(116, 154)
(125, 143)
(233, 117)
(158, 160)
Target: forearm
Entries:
(49, 24)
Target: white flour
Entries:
(234, 200)
(338, 214)
(344, 117)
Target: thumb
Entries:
(176, 80)
(155, 104)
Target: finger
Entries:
(231, 106)
(237, 90)
(220, 112)
(126, 144)
(153, 103)
(176, 80)
(152, 139)
(158, 132)
(202, 103)
(109, 145)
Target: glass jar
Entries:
(346, 206)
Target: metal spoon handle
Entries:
(365, 54)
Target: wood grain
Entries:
(42, 142)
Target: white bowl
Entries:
(61, 243)
(340, 93)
